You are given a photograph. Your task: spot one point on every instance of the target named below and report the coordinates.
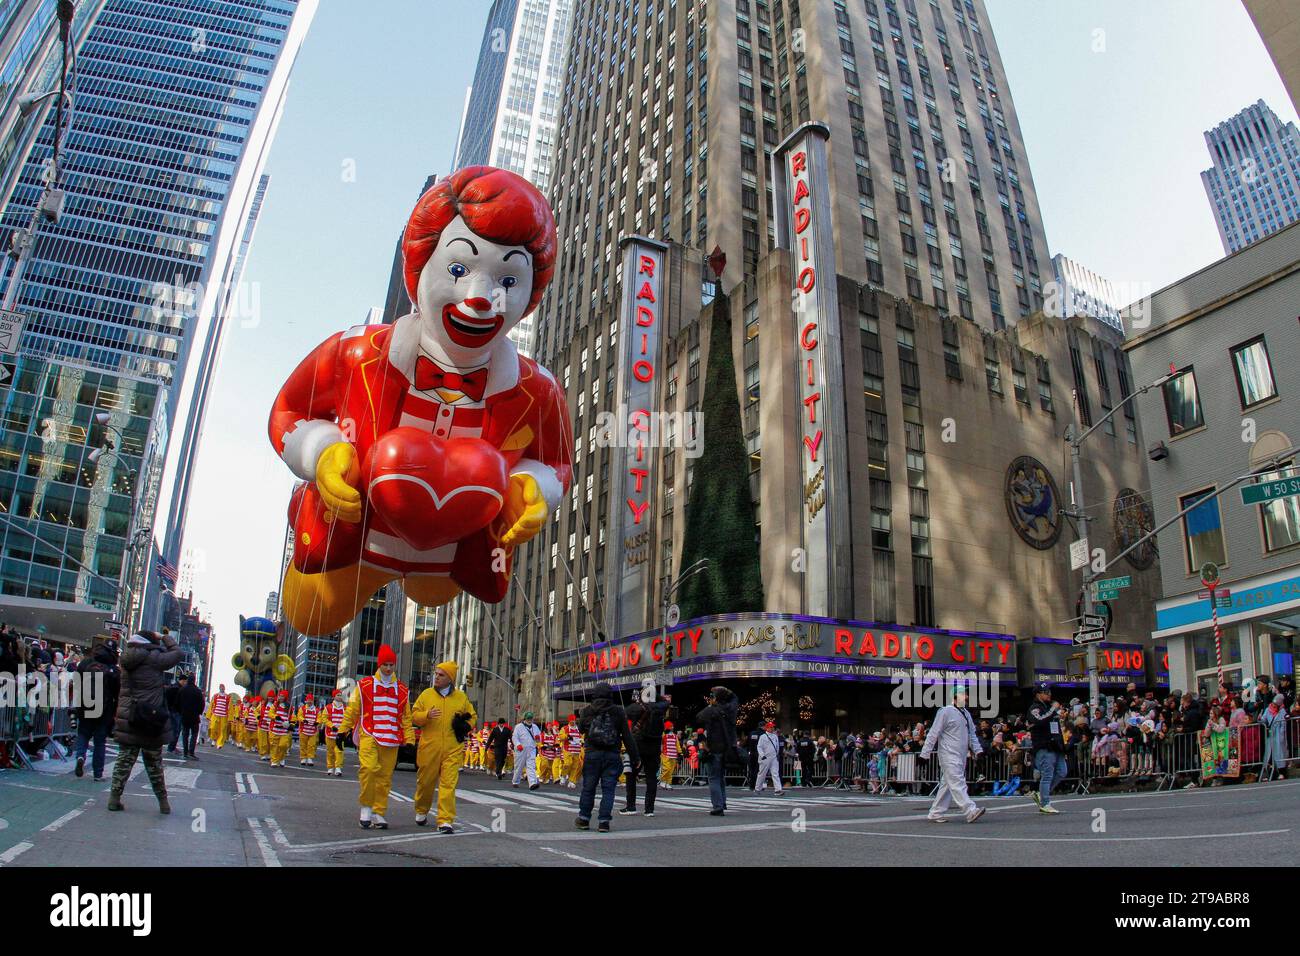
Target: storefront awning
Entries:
(59, 621)
(1265, 595)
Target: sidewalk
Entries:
(63, 821)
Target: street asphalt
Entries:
(230, 809)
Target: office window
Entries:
(1282, 517)
(1182, 404)
(1254, 373)
(1202, 530)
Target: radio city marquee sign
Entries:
(803, 202)
(635, 383)
(1046, 659)
(762, 645)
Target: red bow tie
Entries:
(430, 375)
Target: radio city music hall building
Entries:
(903, 397)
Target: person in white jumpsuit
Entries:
(525, 740)
(952, 735)
(769, 759)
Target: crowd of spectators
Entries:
(1121, 736)
(34, 656)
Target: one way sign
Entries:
(1088, 636)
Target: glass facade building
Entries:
(176, 104)
(512, 110)
(30, 57)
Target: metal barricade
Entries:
(909, 774)
(1180, 761)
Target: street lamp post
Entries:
(50, 204)
(1076, 438)
(694, 569)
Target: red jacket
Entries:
(362, 378)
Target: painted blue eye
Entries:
(509, 282)
(458, 270)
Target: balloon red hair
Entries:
(496, 204)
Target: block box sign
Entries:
(803, 204)
(782, 645)
(636, 382)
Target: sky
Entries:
(1113, 97)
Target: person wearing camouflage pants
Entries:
(153, 766)
(141, 727)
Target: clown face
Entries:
(471, 292)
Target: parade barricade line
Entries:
(1180, 759)
(909, 773)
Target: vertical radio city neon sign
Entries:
(635, 394)
(806, 283)
(645, 335)
(801, 180)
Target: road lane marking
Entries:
(268, 852)
(66, 818)
(276, 833)
(551, 803)
(574, 856)
(15, 851)
(477, 796)
(380, 841)
(1092, 839)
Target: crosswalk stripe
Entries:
(551, 803)
(478, 796)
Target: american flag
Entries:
(166, 571)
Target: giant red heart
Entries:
(432, 491)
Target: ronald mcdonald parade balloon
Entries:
(430, 448)
(258, 664)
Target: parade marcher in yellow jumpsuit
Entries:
(546, 753)
(380, 710)
(264, 715)
(218, 713)
(446, 719)
(281, 730)
(250, 722)
(475, 751)
(235, 721)
(669, 753)
(571, 748)
(308, 725)
(489, 758)
(557, 762)
(333, 752)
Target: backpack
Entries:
(603, 732)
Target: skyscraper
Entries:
(1252, 184)
(1080, 291)
(126, 297)
(857, 162)
(512, 109)
(30, 58)
(929, 172)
